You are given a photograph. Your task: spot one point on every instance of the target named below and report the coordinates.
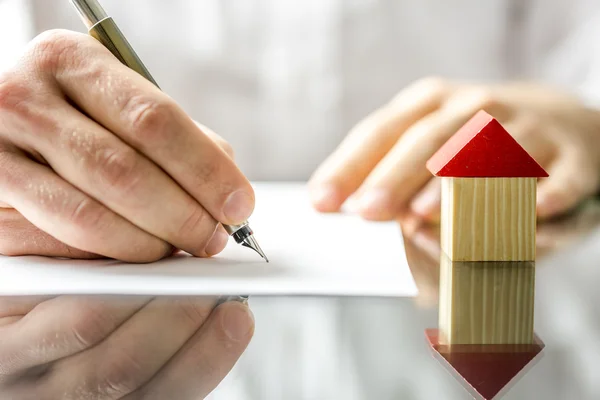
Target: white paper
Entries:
(310, 253)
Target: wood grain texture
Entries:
(488, 219)
(486, 302)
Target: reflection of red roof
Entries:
(483, 148)
(486, 368)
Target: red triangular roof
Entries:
(487, 369)
(483, 148)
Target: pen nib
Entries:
(251, 243)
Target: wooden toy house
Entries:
(489, 187)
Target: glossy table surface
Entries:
(361, 348)
(313, 348)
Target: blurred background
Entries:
(284, 81)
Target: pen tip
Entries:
(251, 243)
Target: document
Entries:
(310, 253)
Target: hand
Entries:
(381, 163)
(118, 348)
(97, 161)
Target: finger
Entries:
(62, 327)
(525, 127)
(101, 165)
(4, 205)
(19, 237)
(136, 351)
(222, 143)
(398, 177)
(19, 305)
(427, 202)
(205, 359)
(350, 164)
(570, 181)
(10, 320)
(70, 216)
(402, 172)
(148, 120)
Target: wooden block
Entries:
(485, 303)
(488, 219)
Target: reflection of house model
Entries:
(488, 194)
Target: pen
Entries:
(105, 30)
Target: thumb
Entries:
(569, 182)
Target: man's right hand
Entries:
(97, 161)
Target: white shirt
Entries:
(284, 80)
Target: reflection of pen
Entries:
(104, 29)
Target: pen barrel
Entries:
(108, 33)
(90, 11)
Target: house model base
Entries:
(488, 219)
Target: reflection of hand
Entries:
(423, 257)
(118, 348)
(101, 162)
(382, 161)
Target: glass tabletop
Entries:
(457, 337)
(362, 348)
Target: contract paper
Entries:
(310, 253)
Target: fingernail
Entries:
(217, 242)
(375, 203)
(238, 321)
(325, 198)
(238, 207)
(425, 203)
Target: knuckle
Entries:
(227, 148)
(155, 251)
(193, 224)
(205, 172)
(56, 49)
(475, 99)
(122, 375)
(432, 84)
(429, 89)
(90, 326)
(119, 169)
(195, 311)
(88, 215)
(528, 127)
(149, 119)
(13, 94)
